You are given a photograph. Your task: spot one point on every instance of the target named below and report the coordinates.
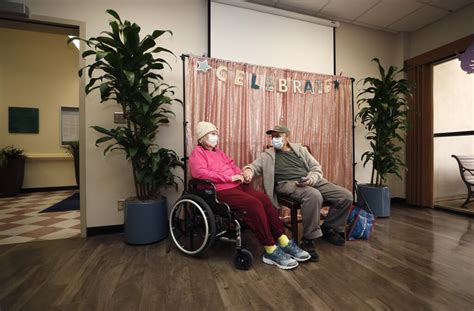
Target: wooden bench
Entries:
(466, 168)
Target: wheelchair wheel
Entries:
(192, 225)
(243, 259)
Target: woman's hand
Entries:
(238, 178)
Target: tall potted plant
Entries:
(125, 70)
(383, 112)
(73, 149)
(12, 170)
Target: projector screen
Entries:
(249, 36)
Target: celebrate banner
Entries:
(245, 100)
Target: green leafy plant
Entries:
(383, 112)
(10, 153)
(125, 70)
(72, 147)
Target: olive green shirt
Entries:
(288, 166)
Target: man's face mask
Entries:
(277, 142)
(212, 140)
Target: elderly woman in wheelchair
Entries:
(207, 162)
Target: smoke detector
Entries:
(13, 9)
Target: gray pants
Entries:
(312, 198)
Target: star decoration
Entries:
(467, 59)
(336, 84)
(203, 66)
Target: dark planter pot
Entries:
(378, 199)
(11, 177)
(75, 155)
(145, 222)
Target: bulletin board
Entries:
(23, 120)
(69, 125)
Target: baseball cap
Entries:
(278, 129)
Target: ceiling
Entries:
(389, 15)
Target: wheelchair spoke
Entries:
(189, 225)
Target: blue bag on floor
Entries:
(360, 223)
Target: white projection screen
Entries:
(249, 36)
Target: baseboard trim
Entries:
(398, 200)
(92, 231)
(48, 189)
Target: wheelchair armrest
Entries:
(201, 184)
(206, 189)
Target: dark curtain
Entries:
(419, 141)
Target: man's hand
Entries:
(248, 174)
(303, 182)
(238, 178)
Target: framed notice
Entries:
(69, 125)
(23, 120)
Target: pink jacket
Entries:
(213, 165)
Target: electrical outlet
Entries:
(120, 205)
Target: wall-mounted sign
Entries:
(23, 120)
(69, 125)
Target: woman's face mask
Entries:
(212, 140)
(277, 142)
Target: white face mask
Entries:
(212, 140)
(277, 142)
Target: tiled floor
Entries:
(20, 220)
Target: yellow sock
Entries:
(283, 240)
(270, 249)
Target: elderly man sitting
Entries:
(288, 168)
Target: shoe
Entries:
(308, 246)
(295, 252)
(332, 236)
(280, 259)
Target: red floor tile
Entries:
(38, 233)
(48, 222)
(13, 219)
(33, 203)
(24, 211)
(7, 226)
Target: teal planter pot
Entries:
(145, 222)
(378, 199)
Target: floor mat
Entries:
(68, 204)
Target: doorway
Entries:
(38, 75)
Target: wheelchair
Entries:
(198, 219)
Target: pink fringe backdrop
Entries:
(242, 114)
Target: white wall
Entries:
(451, 28)
(355, 48)
(109, 178)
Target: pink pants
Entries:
(260, 214)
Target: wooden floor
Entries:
(455, 205)
(418, 259)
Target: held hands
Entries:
(238, 178)
(247, 173)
